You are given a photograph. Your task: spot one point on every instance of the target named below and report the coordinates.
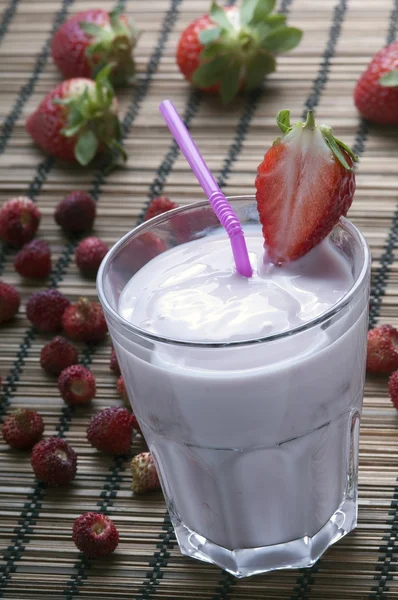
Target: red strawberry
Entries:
(78, 119)
(304, 185)
(84, 321)
(376, 93)
(54, 461)
(113, 364)
(34, 260)
(23, 428)
(382, 356)
(76, 385)
(393, 388)
(95, 535)
(76, 212)
(111, 430)
(158, 206)
(145, 477)
(57, 355)
(233, 48)
(121, 389)
(45, 309)
(90, 40)
(89, 255)
(19, 220)
(9, 302)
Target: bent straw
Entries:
(218, 201)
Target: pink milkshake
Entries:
(248, 391)
(248, 387)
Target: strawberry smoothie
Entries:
(248, 391)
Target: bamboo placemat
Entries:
(38, 558)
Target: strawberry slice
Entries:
(304, 185)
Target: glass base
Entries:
(243, 562)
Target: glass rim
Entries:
(147, 225)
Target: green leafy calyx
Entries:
(339, 148)
(92, 120)
(112, 44)
(238, 52)
(389, 79)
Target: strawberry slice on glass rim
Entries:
(304, 184)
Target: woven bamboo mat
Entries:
(37, 556)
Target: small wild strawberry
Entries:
(76, 212)
(143, 470)
(54, 461)
(23, 428)
(111, 430)
(77, 385)
(57, 355)
(89, 255)
(34, 260)
(45, 310)
(19, 220)
(9, 302)
(95, 535)
(382, 356)
(158, 206)
(84, 321)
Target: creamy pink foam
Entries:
(194, 294)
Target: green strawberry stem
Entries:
(336, 146)
(112, 44)
(92, 119)
(239, 55)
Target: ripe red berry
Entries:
(19, 220)
(45, 309)
(84, 321)
(393, 388)
(114, 364)
(95, 535)
(23, 428)
(34, 260)
(158, 206)
(77, 385)
(382, 356)
(89, 255)
(145, 477)
(111, 430)
(76, 212)
(78, 119)
(226, 50)
(54, 461)
(94, 38)
(57, 355)
(121, 388)
(376, 92)
(9, 302)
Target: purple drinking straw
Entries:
(217, 200)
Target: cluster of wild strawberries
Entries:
(53, 460)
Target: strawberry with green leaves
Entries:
(305, 183)
(90, 40)
(233, 48)
(376, 93)
(78, 119)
